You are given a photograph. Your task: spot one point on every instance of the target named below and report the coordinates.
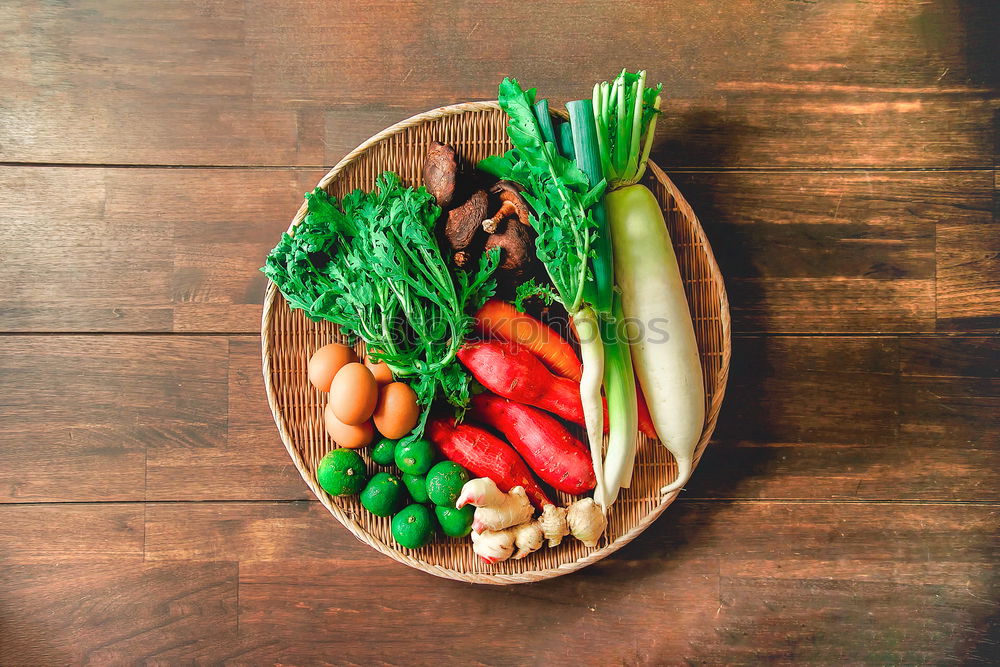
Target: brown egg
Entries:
(380, 370)
(325, 363)
(353, 394)
(397, 411)
(347, 435)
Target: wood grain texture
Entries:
(81, 612)
(968, 273)
(58, 532)
(846, 252)
(893, 83)
(808, 252)
(99, 418)
(858, 418)
(140, 250)
(738, 581)
(841, 156)
(246, 462)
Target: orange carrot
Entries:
(499, 318)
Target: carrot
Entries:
(500, 319)
(486, 456)
(515, 373)
(558, 458)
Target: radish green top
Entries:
(559, 193)
(625, 112)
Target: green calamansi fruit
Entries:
(383, 495)
(455, 522)
(417, 486)
(342, 472)
(383, 453)
(415, 457)
(445, 481)
(413, 527)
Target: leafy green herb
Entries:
(529, 289)
(370, 264)
(559, 193)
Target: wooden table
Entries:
(841, 156)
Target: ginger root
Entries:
(527, 538)
(493, 546)
(586, 521)
(553, 524)
(503, 526)
(495, 510)
(502, 521)
(479, 492)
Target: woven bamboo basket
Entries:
(476, 129)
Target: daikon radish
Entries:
(665, 355)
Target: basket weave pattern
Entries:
(476, 129)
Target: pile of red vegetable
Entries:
(515, 361)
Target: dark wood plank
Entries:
(950, 401)
(857, 418)
(185, 418)
(140, 250)
(739, 582)
(771, 83)
(178, 250)
(80, 413)
(735, 580)
(247, 462)
(60, 532)
(78, 612)
(241, 531)
(968, 273)
(96, 418)
(138, 102)
(842, 252)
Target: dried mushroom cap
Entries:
(516, 243)
(512, 204)
(440, 172)
(464, 221)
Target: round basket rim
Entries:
(445, 572)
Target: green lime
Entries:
(414, 457)
(417, 486)
(383, 494)
(342, 472)
(413, 526)
(383, 451)
(445, 482)
(455, 522)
